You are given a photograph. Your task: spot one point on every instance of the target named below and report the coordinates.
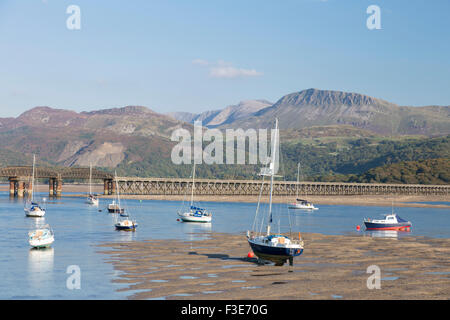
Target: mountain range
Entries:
(328, 131)
(313, 107)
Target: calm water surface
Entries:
(41, 274)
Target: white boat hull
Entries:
(303, 207)
(92, 202)
(34, 213)
(41, 238)
(188, 217)
(44, 243)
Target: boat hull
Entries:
(34, 213)
(191, 218)
(279, 255)
(127, 228)
(387, 226)
(92, 202)
(294, 206)
(41, 244)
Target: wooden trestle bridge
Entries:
(20, 182)
(173, 186)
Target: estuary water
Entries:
(79, 228)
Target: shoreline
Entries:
(218, 268)
(80, 190)
(381, 201)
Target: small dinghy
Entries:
(390, 222)
(41, 238)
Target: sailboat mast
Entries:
(32, 177)
(272, 173)
(298, 177)
(192, 191)
(90, 178)
(117, 189)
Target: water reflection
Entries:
(195, 231)
(40, 267)
(386, 233)
(383, 233)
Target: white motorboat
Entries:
(32, 208)
(276, 247)
(195, 214)
(302, 204)
(41, 238)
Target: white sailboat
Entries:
(126, 223)
(32, 208)
(92, 199)
(195, 214)
(301, 203)
(276, 247)
(42, 237)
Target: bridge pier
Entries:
(18, 187)
(109, 187)
(51, 187)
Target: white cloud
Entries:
(223, 69)
(232, 72)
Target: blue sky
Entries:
(206, 54)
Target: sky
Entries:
(200, 55)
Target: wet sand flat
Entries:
(331, 267)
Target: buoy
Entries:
(250, 254)
(358, 227)
(178, 219)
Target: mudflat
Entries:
(331, 267)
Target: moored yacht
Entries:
(301, 204)
(32, 208)
(195, 214)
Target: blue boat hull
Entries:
(275, 254)
(387, 226)
(126, 227)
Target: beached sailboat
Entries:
(42, 237)
(32, 208)
(92, 199)
(301, 203)
(276, 247)
(122, 224)
(195, 214)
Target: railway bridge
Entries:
(173, 186)
(20, 182)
